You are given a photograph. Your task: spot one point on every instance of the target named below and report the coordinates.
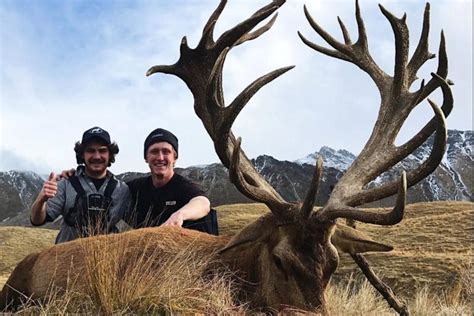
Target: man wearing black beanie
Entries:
(165, 197)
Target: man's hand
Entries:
(50, 187)
(66, 174)
(176, 219)
(38, 208)
(196, 208)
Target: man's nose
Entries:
(96, 154)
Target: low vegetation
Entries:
(17, 242)
(430, 269)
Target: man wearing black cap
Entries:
(165, 197)
(91, 201)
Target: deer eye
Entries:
(278, 263)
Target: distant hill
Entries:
(17, 192)
(452, 180)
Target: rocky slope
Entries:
(452, 180)
(17, 192)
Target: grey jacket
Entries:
(66, 197)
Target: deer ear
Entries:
(350, 240)
(251, 233)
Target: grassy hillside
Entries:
(433, 246)
(17, 242)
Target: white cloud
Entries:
(71, 65)
(11, 161)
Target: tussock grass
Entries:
(427, 303)
(430, 268)
(121, 281)
(149, 283)
(355, 298)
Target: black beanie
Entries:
(161, 135)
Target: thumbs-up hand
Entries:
(50, 187)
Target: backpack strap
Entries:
(76, 184)
(109, 189)
(71, 216)
(214, 227)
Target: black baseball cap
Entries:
(96, 133)
(161, 135)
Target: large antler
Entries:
(380, 152)
(201, 69)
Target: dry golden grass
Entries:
(122, 282)
(430, 268)
(433, 248)
(153, 283)
(17, 242)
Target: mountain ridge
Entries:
(452, 180)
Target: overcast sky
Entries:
(69, 65)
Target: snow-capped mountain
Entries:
(18, 189)
(452, 180)
(339, 159)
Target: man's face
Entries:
(96, 157)
(161, 158)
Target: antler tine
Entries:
(249, 186)
(258, 32)
(214, 89)
(442, 70)
(325, 35)
(439, 148)
(436, 123)
(166, 69)
(383, 288)
(223, 123)
(231, 37)
(430, 127)
(389, 218)
(414, 176)
(400, 30)
(208, 30)
(323, 50)
(310, 199)
(345, 33)
(233, 110)
(362, 40)
(356, 53)
(421, 54)
(171, 69)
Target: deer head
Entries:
(287, 257)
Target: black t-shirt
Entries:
(152, 206)
(98, 182)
